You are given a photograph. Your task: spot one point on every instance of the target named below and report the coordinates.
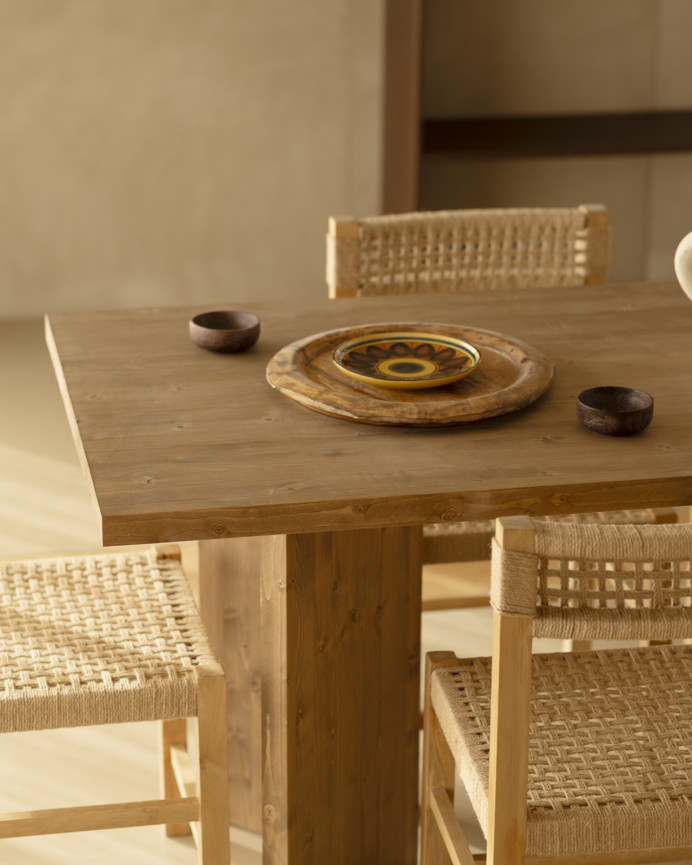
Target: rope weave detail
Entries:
(636, 543)
(610, 757)
(600, 582)
(486, 249)
(513, 582)
(101, 639)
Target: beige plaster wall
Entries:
(504, 57)
(181, 151)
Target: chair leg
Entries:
(438, 768)
(214, 840)
(510, 710)
(173, 733)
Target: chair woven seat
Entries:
(97, 640)
(610, 747)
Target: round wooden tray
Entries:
(510, 376)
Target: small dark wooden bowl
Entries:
(615, 411)
(225, 330)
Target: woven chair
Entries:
(569, 757)
(472, 250)
(462, 250)
(471, 542)
(114, 638)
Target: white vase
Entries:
(683, 264)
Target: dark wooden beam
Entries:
(401, 133)
(559, 135)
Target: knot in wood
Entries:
(449, 516)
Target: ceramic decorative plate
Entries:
(402, 359)
(511, 376)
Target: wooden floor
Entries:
(45, 509)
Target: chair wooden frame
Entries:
(200, 776)
(442, 838)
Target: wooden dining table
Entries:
(310, 526)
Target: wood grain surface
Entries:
(180, 443)
(510, 376)
(340, 612)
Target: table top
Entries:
(180, 443)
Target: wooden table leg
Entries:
(229, 605)
(340, 620)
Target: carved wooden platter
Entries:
(510, 376)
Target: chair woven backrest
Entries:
(453, 250)
(610, 582)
